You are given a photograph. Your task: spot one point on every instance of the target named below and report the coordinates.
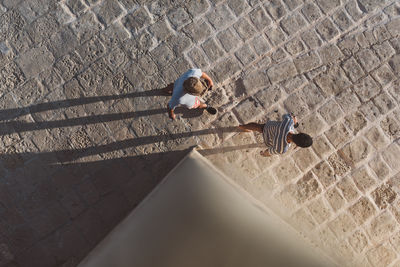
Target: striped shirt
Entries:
(275, 134)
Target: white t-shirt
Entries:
(179, 97)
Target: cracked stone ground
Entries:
(84, 136)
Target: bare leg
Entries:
(252, 126)
(168, 89)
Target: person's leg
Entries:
(252, 126)
(168, 89)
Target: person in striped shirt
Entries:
(278, 135)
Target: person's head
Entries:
(302, 140)
(193, 86)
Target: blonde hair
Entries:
(193, 86)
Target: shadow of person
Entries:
(12, 113)
(189, 113)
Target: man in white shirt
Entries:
(187, 90)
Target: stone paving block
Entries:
(35, 61)
(393, 27)
(362, 210)
(390, 155)
(198, 31)
(394, 63)
(355, 121)
(137, 20)
(238, 6)
(220, 17)
(276, 36)
(370, 111)
(244, 29)
(275, 8)
(42, 28)
(179, 43)
(269, 96)
(381, 33)
(259, 18)
(281, 71)
(212, 50)
(286, 171)
(198, 57)
(303, 221)
(395, 91)
(306, 188)
(327, 5)
(198, 7)
(245, 54)
(382, 255)
(334, 199)
(31, 92)
(162, 55)
(161, 30)
(62, 42)
(342, 225)
(353, 69)
(358, 240)
(330, 54)
(383, 196)
(342, 20)
(380, 168)
(86, 26)
(384, 102)
(311, 39)
(311, 95)
(384, 50)
(311, 12)
(94, 76)
(294, 46)
(327, 29)
(363, 179)
(305, 158)
(390, 126)
(330, 111)
(226, 67)
(338, 163)
(260, 45)
(356, 151)
(321, 146)
(368, 59)
(11, 23)
(366, 88)
(311, 125)
(348, 189)
(392, 10)
(293, 84)
(10, 76)
(348, 45)
(338, 135)
(178, 17)
(294, 104)
(319, 210)
(324, 173)
(278, 55)
(108, 11)
(248, 110)
(369, 5)
(293, 23)
(91, 50)
(334, 81)
(383, 75)
(307, 62)
(76, 6)
(228, 39)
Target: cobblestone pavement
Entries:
(84, 133)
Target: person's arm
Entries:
(205, 76)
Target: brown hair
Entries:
(193, 86)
